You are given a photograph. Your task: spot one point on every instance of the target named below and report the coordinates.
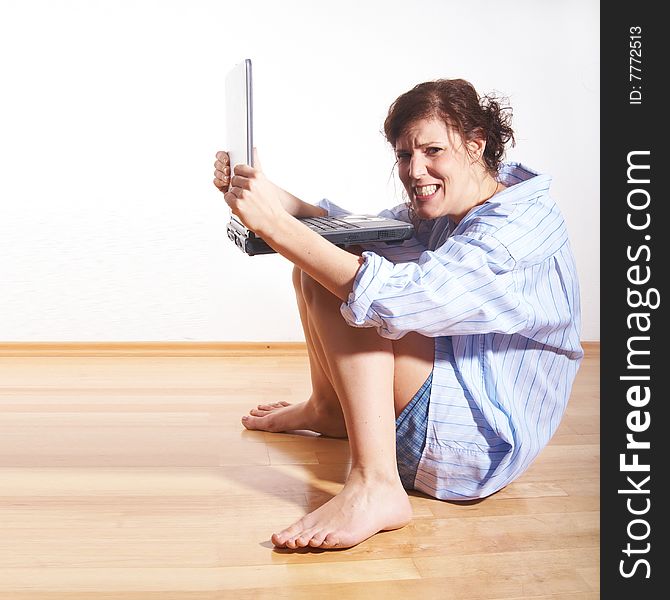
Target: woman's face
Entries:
(437, 171)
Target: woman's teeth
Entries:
(425, 190)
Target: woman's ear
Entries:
(476, 147)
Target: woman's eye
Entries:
(433, 150)
(402, 156)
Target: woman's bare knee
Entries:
(315, 295)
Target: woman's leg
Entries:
(356, 368)
(322, 412)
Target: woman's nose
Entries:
(417, 166)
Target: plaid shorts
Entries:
(410, 434)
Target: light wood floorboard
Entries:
(132, 478)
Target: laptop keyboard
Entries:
(328, 223)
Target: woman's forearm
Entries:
(334, 268)
(298, 208)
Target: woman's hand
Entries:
(268, 210)
(290, 203)
(253, 198)
(222, 171)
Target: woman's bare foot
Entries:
(365, 506)
(282, 416)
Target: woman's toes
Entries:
(305, 538)
(269, 407)
(258, 412)
(249, 422)
(263, 409)
(287, 537)
(291, 543)
(281, 416)
(262, 423)
(317, 539)
(280, 539)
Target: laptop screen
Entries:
(239, 114)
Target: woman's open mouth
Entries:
(425, 192)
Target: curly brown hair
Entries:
(458, 104)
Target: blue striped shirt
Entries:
(499, 293)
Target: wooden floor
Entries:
(132, 478)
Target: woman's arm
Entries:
(267, 210)
(296, 207)
(334, 268)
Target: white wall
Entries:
(111, 112)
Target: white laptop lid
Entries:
(239, 114)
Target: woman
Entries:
(448, 361)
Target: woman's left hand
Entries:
(254, 199)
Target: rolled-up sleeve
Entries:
(467, 286)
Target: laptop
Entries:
(343, 231)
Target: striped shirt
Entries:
(499, 293)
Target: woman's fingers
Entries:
(221, 166)
(222, 171)
(238, 181)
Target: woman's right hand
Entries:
(222, 171)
